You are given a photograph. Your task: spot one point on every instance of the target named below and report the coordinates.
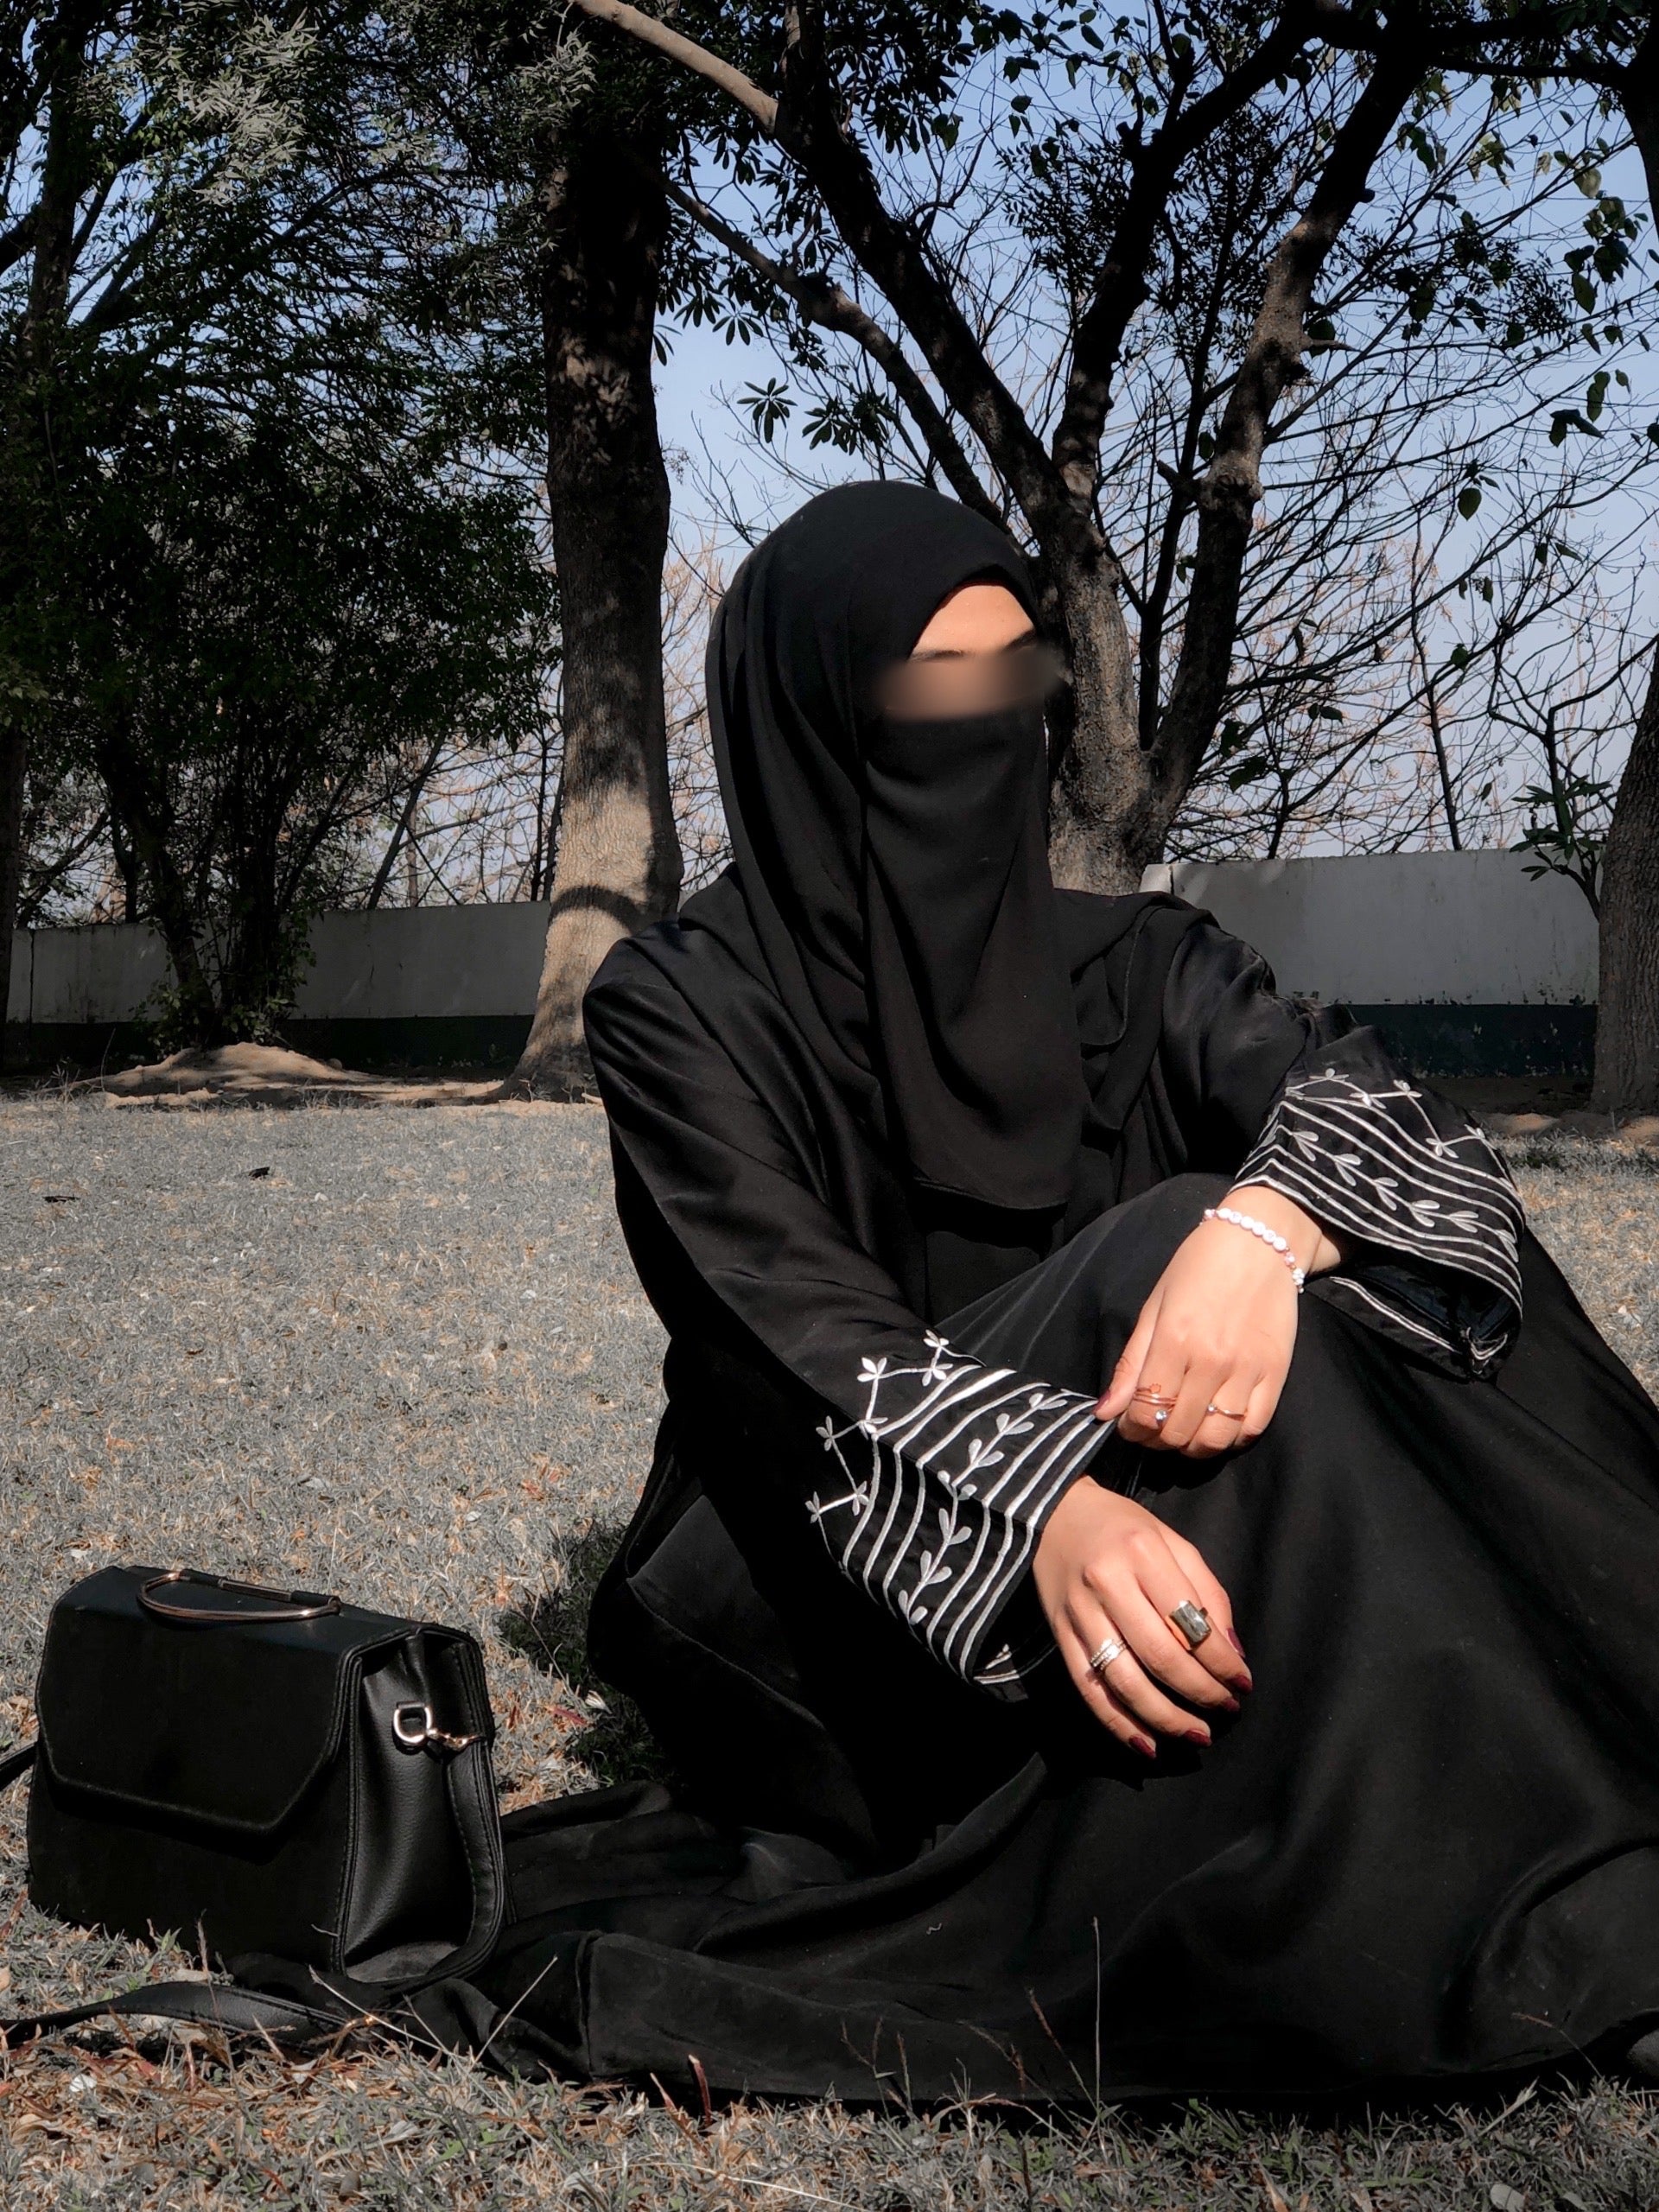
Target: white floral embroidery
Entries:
(1388, 1164)
(948, 1471)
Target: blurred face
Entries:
(979, 655)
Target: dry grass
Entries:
(410, 1360)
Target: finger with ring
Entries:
(1226, 1413)
(1141, 1617)
(1101, 1660)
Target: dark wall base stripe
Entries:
(1433, 1040)
(1430, 1040)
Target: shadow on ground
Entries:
(551, 1633)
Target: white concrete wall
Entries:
(102, 973)
(1461, 929)
(395, 962)
(405, 962)
(1405, 929)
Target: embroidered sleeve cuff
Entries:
(1432, 1218)
(941, 1489)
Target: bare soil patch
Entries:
(271, 1075)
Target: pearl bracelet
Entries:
(1270, 1237)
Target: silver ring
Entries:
(1110, 1650)
(1161, 1416)
(1226, 1412)
(1193, 1621)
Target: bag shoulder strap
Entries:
(201, 2004)
(15, 1762)
(229, 2007)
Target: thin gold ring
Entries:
(1225, 1412)
(1154, 1397)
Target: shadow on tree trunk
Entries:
(605, 215)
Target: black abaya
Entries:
(1427, 1848)
(903, 1140)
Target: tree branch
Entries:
(1230, 489)
(30, 903)
(1121, 286)
(1639, 94)
(389, 860)
(650, 31)
(806, 124)
(17, 241)
(825, 303)
(1466, 47)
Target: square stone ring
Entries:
(1193, 1621)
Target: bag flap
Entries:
(224, 1723)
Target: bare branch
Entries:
(1121, 286)
(651, 32)
(1230, 489)
(807, 125)
(832, 307)
(400, 831)
(17, 241)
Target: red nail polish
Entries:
(1199, 1736)
(1237, 1645)
(1145, 1743)
(1233, 1705)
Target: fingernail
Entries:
(1145, 1743)
(1237, 1645)
(1233, 1705)
(1200, 1736)
(1249, 1682)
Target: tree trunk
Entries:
(25, 487)
(1627, 1014)
(143, 820)
(604, 218)
(1627, 1017)
(1102, 832)
(126, 862)
(14, 760)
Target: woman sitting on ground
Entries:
(1090, 1664)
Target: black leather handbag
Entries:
(298, 1786)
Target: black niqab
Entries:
(896, 872)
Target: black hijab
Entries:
(895, 872)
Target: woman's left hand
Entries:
(1214, 1341)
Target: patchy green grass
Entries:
(408, 1359)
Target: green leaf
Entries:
(1251, 769)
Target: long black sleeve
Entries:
(938, 1472)
(1427, 1210)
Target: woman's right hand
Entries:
(1107, 1567)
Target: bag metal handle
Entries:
(286, 1605)
(411, 1726)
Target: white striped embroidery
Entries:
(1013, 1446)
(1414, 1181)
(1375, 1163)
